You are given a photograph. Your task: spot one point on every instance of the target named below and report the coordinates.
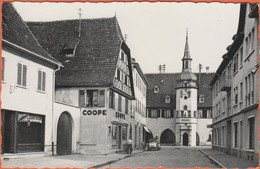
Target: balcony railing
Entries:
(225, 83)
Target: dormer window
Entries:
(69, 52)
(185, 84)
(201, 98)
(167, 99)
(156, 89)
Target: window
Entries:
(235, 63)
(167, 99)
(241, 134)
(119, 103)
(241, 56)
(156, 89)
(3, 69)
(235, 134)
(92, 98)
(241, 91)
(154, 114)
(41, 80)
(118, 74)
(126, 105)
(251, 131)
(111, 99)
(21, 74)
(235, 96)
(122, 56)
(167, 114)
(201, 98)
(204, 114)
(224, 105)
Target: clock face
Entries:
(186, 93)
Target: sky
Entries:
(156, 31)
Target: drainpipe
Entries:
(53, 100)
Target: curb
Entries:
(113, 161)
(212, 159)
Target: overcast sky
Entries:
(156, 31)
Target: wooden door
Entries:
(64, 135)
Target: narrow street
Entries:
(168, 157)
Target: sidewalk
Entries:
(70, 161)
(228, 161)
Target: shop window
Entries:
(92, 98)
(124, 133)
(114, 131)
(167, 99)
(251, 125)
(41, 80)
(21, 75)
(3, 69)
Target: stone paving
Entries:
(71, 161)
(230, 161)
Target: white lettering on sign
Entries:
(94, 112)
(120, 115)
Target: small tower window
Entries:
(167, 99)
(201, 98)
(156, 89)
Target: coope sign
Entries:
(94, 112)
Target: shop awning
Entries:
(147, 130)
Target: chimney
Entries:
(207, 69)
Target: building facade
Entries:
(27, 88)
(138, 106)
(235, 91)
(96, 78)
(178, 106)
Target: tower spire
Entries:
(186, 50)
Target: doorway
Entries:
(64, 135)
(119, 136)
(185, 139)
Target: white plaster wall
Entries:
(203, 131)
(28, 99)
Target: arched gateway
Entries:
(64, 134)
(167, 137)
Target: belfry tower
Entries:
(186, 102)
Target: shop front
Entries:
(22, 132)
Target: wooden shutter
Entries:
(39, 80)
(24, 74)
(19, 74)
(102, 98)
(81, 98)
(43, 80)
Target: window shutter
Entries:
(102, 98)
(39, 80)
(126, 105)
(24, 74)
(114, 100)
(81, 98)
(163, 113)
(158, 113)
(43, 80)
(172, 114)
(19, 74)
(149, 112)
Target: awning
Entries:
(147, 130)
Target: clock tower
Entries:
(186, 102)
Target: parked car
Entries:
(153, 145)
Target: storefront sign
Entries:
(29, 118)
(120, 115)
(94, 112)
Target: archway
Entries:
(197, 139)
(185, 139)
(167, 137)
(64, 134)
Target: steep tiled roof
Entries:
(96, 54)
(16, 32)
(167, 82)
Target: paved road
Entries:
(168, 157)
